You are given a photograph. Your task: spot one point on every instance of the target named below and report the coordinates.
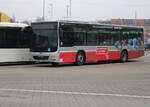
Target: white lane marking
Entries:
(76, 93)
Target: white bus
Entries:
(15, 42)
(80, 42)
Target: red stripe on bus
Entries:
(135, 54)
(68, 56)
(93, 56)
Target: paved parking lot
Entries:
(92, 85)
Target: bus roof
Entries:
(12, 25)
(90, 23)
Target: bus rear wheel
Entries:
(80, 59)
(124, 56)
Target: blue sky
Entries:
(81, 9)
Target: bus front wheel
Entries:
(80, 59)
(54, 64)
(124, 56)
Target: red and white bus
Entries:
(60, 42)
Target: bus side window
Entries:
(117, 41)
(92, 38)
(79, 34)
(101, 39)
(12, 37)
(67, 37)
(2, 38)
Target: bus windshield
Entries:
(44, 37)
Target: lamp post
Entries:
(51, 11)
(43, 10)
(135, 18)
(67, 6)
(70, 8)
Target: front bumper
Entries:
(46, 57)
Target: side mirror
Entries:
(27, 30)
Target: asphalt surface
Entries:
(107, 84)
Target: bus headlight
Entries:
(53, 60)
(52, 57)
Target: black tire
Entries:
(124, 56)
(54, 64)
(30, 62)
(80, 59)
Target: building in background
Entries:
(136, 22)
(4, 17)
(117, 21)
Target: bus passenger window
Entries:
(67, 38)
(92, 38)
(79, 35)
(2, 39)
